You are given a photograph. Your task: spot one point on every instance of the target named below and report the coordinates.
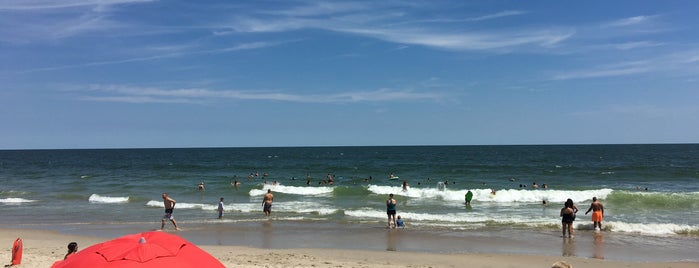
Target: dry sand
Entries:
(42, 248)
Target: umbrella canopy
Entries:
(149, 249)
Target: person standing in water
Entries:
(391, 210)
(267, 202)
(597, 213)
(567, 218)
(169, 208)
(220, 209)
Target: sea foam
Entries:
(500, 196)
(296, 190)
(95, 198)
(15, 200)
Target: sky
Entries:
(154, 74)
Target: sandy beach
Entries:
(42, 248)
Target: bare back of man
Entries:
(597, 213)
(267, 202)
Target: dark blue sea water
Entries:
(647, 190)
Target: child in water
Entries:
(399, 222)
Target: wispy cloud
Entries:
(635, 45)
(425, 36)
(620, 69)
(43, 5)
(506, 13)
(31, 21)
(676, 63)
(179, 51)
(134, 94)
(637, 20)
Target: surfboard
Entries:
(469, 196)
(393, 178)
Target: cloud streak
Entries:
(134, 94)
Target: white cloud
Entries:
(626, 68)
(676, 63)
(635, 45)
(631, 21)
(43, 5)
(133, 94)
(179, 51)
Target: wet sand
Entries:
(43, 247)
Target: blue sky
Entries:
(139, 73)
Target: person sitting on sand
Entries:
(72, 249)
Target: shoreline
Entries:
(43, 247)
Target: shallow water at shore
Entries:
(112, 192)
(276, 234)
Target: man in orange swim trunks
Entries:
(597, 213)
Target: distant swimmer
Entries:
(201, 186)
(267, 202)
(597, 213)
(169, 204)
(405, 186)
(235, 183)
(534, 185)
(492, 191)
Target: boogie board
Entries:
(17, 252)
(469, 196)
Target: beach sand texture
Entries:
(42, 248)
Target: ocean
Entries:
(650, 194)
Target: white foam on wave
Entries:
(160, 204)
(462, 217)
(296, 190)
(650, 229)
(501, 196)
(95, 198)
(294, 207)
(15, 200)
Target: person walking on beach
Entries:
(568, 216)
(267, 202)
(169, 208)
(597, 213)
(220, 209)
(391, 210)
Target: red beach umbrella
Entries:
(149, 249)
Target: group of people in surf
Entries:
(568, 216)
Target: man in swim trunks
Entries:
(391, 210)
(169, 208)
(267, 202)
(597, 213)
